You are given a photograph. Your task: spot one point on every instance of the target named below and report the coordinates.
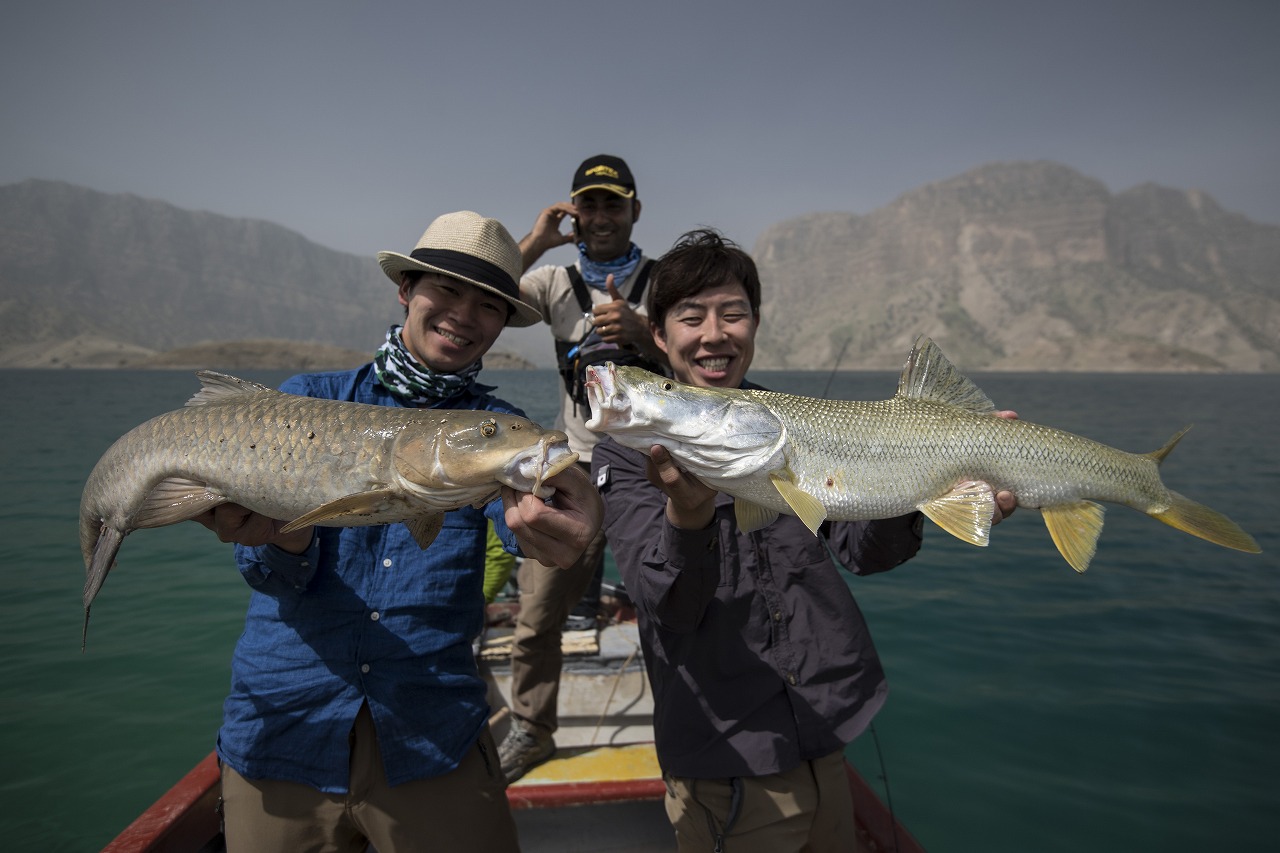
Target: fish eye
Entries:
(488, 428)
(667, 386)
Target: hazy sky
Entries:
(355, 123)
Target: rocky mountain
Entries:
(1018, 266)
(142, 272)
(1025, 266)
(90, 279)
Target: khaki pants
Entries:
(805, 809)
(462, 811)
(547, 594)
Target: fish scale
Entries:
(901, 449)
(306, 460)
(936, 446)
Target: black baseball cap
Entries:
(604, 172)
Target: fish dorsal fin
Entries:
(349, 508)
(964, 512)
(806, 507)
(425, 528)
(217, 387)
(929, 375)
(751, 516)
(1169, 445)
(1075, 528)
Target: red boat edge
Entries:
(186, 820)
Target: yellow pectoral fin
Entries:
(806, 507)
(964, 512)
(751, 516)
(347, 508)
(1075, 528)
(425, 528)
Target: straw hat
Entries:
(470, 248)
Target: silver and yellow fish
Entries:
(936, 446)
(307, 461)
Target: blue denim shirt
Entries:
(365, 615)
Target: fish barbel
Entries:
(936, 446)
(307, 461)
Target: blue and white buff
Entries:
(595, 273)
(416, 384)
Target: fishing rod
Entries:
(835, 367)
(884, 769)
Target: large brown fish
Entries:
(307, 461)
(936, 447)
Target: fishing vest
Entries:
(574, 357)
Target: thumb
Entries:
(610, 289)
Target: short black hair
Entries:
(700, 259)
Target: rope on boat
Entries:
(617, 679)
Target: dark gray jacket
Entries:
(756, 651)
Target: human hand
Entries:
(234, 523)
(546, 234)
(1006, 501)
(691, 504)
(556, 531)
(546, 230)
(617, 322)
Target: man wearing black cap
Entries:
(595, 310)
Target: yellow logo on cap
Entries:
(606, 171)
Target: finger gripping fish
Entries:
(936, 447)
(307, 461)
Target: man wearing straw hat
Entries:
(595, 310)
(357, 715)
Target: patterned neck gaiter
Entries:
(594, 273)
(416, 384)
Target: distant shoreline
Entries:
(87, 352)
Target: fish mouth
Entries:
(610, 406)
(531, 468)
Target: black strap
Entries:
(584, 298)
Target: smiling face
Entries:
(605, 220)
(710, 336)
(449, 324)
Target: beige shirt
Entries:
(549, 290)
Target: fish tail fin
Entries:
(104, 557)
(1075, 528)
(1209, 524)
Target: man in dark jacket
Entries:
(762, 666)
